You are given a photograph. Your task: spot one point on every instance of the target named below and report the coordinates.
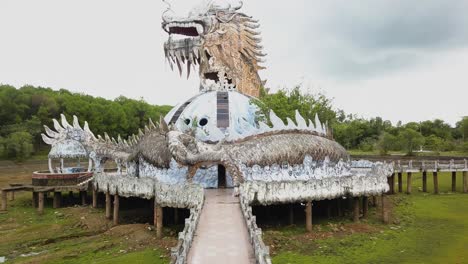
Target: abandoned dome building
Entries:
(218, 138)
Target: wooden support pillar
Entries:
(329, 209)
(356, 209)
(374, 201)
(95, 197)
(83, 195)
(385, 213)
(291, 214)
(4, 201)
(308, 212)
(400, 181)
(35, 198)
(391, 184)
(116, 209)
(454, 181)
(338, 205)
(158, 219)
(12, 196)
(176, 215)
(436, 182)
(424, 181)
(465, 181)
(40, 206)
(108, 205)
(57, 199)
(70, 197)
(365, 207)
(408, 182)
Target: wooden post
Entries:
(374, 201)
(108, 205)
(385, 216)
(40, 207)
(340, 211)
(308, 212)
(329, 209)
(400, 181)
(424, 181)
(57, 199)
(436, 182)
(454, 181)
(158, 221)
(291, 214)
(391, 184)
(95, 196)
(4, 201)
(12, 195)
(83, 195)
(35, 199)
(116, 209)
(365, 207)
(465, 181)
(356, 210)
(408, 182)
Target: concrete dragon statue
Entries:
(222, 41)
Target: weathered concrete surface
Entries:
(221, 235)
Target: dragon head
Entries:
(223, 42)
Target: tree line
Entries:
(24, 111)
(369, 135)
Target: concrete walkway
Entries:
(221, 235)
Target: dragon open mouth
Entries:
(189, 29)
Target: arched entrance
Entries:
(222, 176)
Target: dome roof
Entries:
(214, 114)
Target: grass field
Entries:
(426, 228)
(72, 234)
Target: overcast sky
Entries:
(401, 60)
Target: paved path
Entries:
(221, 236)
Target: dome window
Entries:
(203, 122)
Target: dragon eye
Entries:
(203, 122)
(187, 121)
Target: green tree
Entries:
(386, 143)
(19, 145)
(434, 143)
(411, 140)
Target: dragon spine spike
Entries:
(57, 126)
(140, 133)
(291, 124)
(47, 140)
(264, 127)
(50, 132)
(276, 121)
(311, 125)
(65, 123)
(106, 137)
(163, 127)
(119, 139)
(301, 123)
(151, 124)
(318, 124)
(76, 124)
(147, 129)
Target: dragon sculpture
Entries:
(223, 42)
